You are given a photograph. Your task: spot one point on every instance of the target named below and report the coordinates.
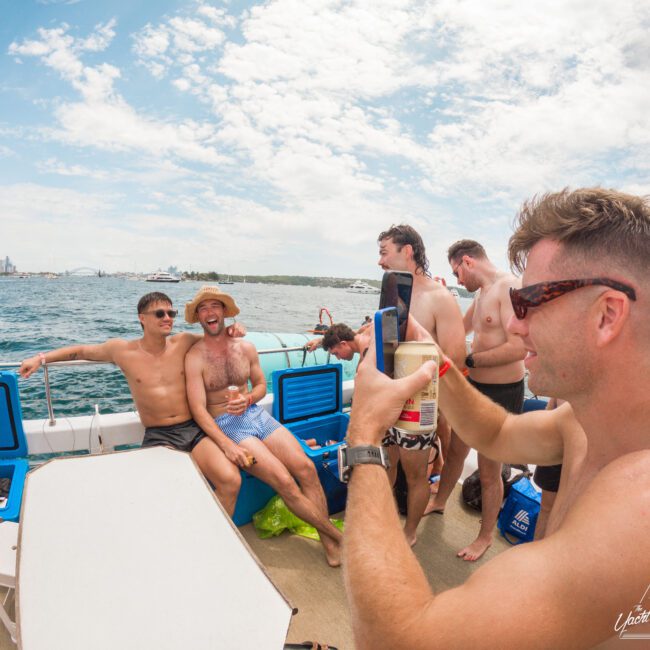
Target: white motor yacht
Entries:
(359, 286)
(162, 276)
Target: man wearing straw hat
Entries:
(218, 370)
(153, 367)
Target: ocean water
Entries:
(37, 314)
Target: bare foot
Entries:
(332, 550)
(475, 550)
(432, 506)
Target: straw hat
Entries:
(210, 293)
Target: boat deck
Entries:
(298, 567)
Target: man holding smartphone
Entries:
(401, 249)
(583, 315)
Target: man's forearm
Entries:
(472, 415)
(256, 394)
(498, 356)
(69, 353)
(377, 558)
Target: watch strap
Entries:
(367, 455)
(348, 457)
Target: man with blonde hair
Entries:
(583, 315)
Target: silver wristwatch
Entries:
(360, 455)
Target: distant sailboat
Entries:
(228, 280)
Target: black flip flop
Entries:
(308, 644)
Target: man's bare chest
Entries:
(221, 370)
(486, 315)
(146, 370)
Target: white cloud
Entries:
(151, 42)
(104, 119)
(334, 119)
(54, 166)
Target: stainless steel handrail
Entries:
(78, 362)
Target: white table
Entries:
(132, 550)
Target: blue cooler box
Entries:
(253, 496)
(308, 401)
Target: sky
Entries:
(282, 137)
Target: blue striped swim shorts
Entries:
(253, 422)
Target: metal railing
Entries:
(9, 365)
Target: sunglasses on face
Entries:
(537, 294)
(160, 313)
(454, 272)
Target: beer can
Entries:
(420, 412)
(233, 392)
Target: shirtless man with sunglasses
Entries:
(583, 316)
(496, 368)
(154, 369)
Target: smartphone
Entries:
(396, 289)
(386, 339)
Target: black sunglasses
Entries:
(537, 294)
(160, 313)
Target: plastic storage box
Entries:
(308, 401)
(253, 496)
(13, 446)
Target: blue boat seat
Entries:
(13, 445)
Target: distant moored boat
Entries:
(162, 276)
(361, 287)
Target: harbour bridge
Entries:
(85, 270)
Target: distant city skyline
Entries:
(282, 137)
(6, 265)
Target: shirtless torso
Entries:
(156, 379)
(232, 365)
(433, 306)
(488, 318)
(153, 368)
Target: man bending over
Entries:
(239, 426)
(154, 369)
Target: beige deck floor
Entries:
(298, 567)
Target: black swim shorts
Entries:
(548, 478)
(510, 396)
(183, 436)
